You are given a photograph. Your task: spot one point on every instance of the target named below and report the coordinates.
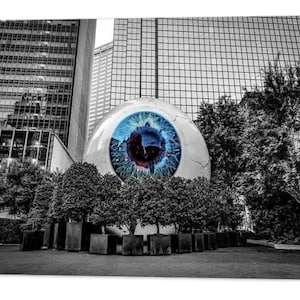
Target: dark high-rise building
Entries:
(101, 85)
(45, 68)
(185, 61)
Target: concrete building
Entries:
(44, 82)
(185, 61)
(101, 85)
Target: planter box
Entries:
(132, 244)
(59, 236)
(103, 243)
(78, 235)
(243, 238)
(223, 239)
(48, 236)
(159, 244)
(210, 241)
(181, 243)
(213, 240)
(236, 239)
(198, 242)
(32, 240)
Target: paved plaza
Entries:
(244, 262)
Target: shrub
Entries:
(178, 192)
(105, 205)
(127, 206)
(10, 231)
(155, 207)
(38, 212)
(21, 181)
(80, 187)
(55, 212)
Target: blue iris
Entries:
(145, 144)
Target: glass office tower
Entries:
(185, 61)
(44, 77)
(100, 86)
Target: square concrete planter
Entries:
(31, 240)
(103, 243)
(220, 236)
(181, 243)
(198, 242)
(48, 236)
(236, 239)
(78, 235)
(210, 241)
(159, 244)
(59, 236)
(132, 244)
(223, 239)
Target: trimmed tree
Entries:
(226, 212)
(127, 207)
(155, 208)
(104, 208)
(80, 188)
(178, 194)
(38, 213)
(200, 198)
(55, 212)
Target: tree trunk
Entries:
(132, 229)
(157, 228)
(176, 228)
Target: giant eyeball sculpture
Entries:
(148, 137)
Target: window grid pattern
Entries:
(200, 59)
(37, 65)
(25, 145)
(100, 86)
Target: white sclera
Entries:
(194, 161)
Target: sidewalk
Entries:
(245, 262)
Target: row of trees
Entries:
(81, 193)
(254, 155)
(253, 148)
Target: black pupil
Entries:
(140, 153)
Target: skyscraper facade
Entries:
(185, 61)
(101, 85)
(44, 79)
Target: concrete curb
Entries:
(274, 245)
(287, 247)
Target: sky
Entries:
(104, 31)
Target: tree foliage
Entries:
(18, 188)
(104, 208)
(80, 187)
(40, 206)
(221, 126)
(55, 212)
(127, 206)
(255, 152)
(268, 164)
(179, 198)
(155, 203)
